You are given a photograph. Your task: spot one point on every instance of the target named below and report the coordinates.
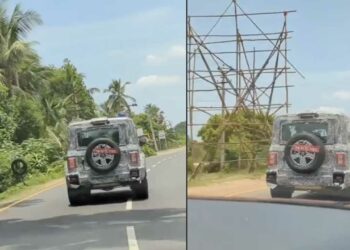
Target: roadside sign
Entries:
(140, 132)
(161, 134)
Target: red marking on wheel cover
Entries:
(109, 151)
(306, 148)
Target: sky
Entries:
(320, 48)
(142, 42)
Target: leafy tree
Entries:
(29, 120)
(67, 84)
(7, 122)
(156, 116)
(180, 128)
(246, 132)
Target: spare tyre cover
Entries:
(102, 155)
(304, 152)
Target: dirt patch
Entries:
(236, 188)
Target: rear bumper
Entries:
(127, 178)
(338, 180)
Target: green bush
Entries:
(148, 150)
(6, 156)
(29, 119)
(7, 127)
(40, 155)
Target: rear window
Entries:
(85, 137)
(321, 129)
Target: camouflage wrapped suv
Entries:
(104, 153)
(309, 151)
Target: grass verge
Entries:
(33, 183)
(206, 179)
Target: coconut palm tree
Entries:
(155, 113)
(13, 49)
(118, 99)
(94, 90)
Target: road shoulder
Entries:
(167, 152)
(31, 191)
(234, 188)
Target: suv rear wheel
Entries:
(141, 189)
(281, 192)
(78, 196)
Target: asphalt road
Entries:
(251, 226)
(111, 220)
(265, 194)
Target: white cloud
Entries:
(177, 51)
(157, 80)
(342, 95)
(174, 52)
(153, 59)
(329, 109)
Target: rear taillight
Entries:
(134, 158)
(340, 158)
(72, 164)
(272, 159)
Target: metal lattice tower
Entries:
(240, 70)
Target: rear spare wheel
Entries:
(304, 153)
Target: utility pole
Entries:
(222, 141)
(152, 131)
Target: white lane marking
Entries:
(59, 226)
(179, 215)
(167, 221)
(127, 222)
(132, 242)
(128, 205)
(154, 165)
(80, 243)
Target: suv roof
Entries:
(99, 120)
(310, 115)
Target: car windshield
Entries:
(85, 137)
(318, 128)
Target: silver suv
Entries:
(104, 153)
(309, 151)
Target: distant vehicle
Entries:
(104, 153)
(309, 151)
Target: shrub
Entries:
(30, 120)
(40, 155)
(148, 150)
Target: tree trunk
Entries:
(16, 79)
(252, 167)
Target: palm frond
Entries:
(94, 90)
